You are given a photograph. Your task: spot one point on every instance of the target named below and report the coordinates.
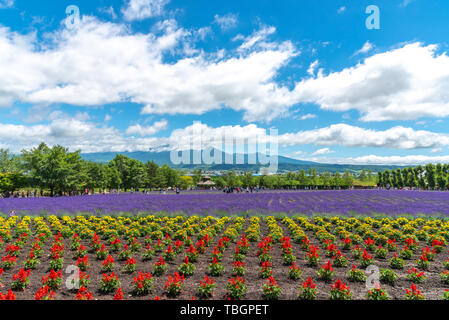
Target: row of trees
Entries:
(57, 170)
(426, 177)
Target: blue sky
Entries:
(140, 74)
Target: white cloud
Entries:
(109, 11)
(6, 4)
(351, 136)
(308, 116)
(143, 9)
(107, 118)
(312, 68)
(341, 10)
(368, 46)
(405, 3)
(322, 151)
(226, 22)
(147, 130)
(385, 160)
(403, 84)
(107, 63)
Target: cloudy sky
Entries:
(142, 74)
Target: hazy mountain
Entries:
(284, 163)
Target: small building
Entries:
(206, 183)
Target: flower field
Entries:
(345, 202)
(205, 257)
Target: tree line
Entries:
(429, 176)
(56, 170)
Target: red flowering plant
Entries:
(287, 255)
(346, 243)
(83, 294)
(102, 253)
(340, 291)
(193, 253)
(381, 252)
(125, 254)
(406, 253)
(84, 280)
(356, 275)
(169, 254)
(265, 270)
(201, 246)
(1, 272)
(83, 263)
(115, 244)
(388, 276)
(366, 259)
(413, 293)
(216, 269)
(340, 260)
(391, 245)
(21, 280)
(148, 253)
(9, 296)
(396, 263)
(8, 262)
(271, 290)
(206, 288)
(411, 243)
(57, 250)
(265, 256)
(81, 252)
(294, 272)
(130, 265)
(36, 249)
(31, 262)
(313, 256)
(53, 280)
(445, 295)
(445, 276)
(438, 245)
(238, 268)
(370, 244)
(326, 271)
(243, 245)
(159, 246)
(95, 242)
(377, 293)
(159, 267)
(305, 243)
(57, 262)
(134, 245)
(423, 262)
(119, 295)
(167, 240)
(430, 253)
(357, 252)
(75, 242)
(109, 283)
(179, 246)
(236, 288)
(308, 290)
(216, 253)
(237, 256)
(186, 268)
(13, 250)
(415, 276)
(143, 283)
(44, 293)
(108, 264)
(174, 285)
(331, 250)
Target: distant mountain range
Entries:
(284, 163)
